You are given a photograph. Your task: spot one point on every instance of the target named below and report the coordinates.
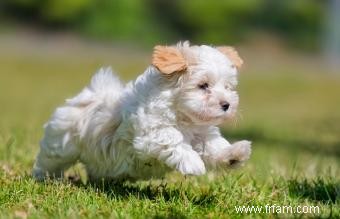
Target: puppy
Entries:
(166, 119)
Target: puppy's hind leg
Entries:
(58, 148)
(84, 118)
(52, 164)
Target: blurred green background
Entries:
(289, 86)
(149, 21)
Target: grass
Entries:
(292, 117)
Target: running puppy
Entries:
(166, 119)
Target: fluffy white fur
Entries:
(150, 126)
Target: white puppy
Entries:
(165, 119)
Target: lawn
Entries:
(291, 115)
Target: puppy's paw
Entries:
(192, 165)
(240, 153)
(38, 174)
(41, 175)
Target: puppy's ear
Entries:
(168, 60)
(232, 54)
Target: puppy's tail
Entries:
(105, 81)
(104, 85)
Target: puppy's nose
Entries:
(225, 106)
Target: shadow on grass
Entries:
(163, 191)
(323, 190)
(172, 214)
(173, 194)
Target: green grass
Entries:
(292, 118)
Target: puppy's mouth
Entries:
(204, 117)
(208, 118)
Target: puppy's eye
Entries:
(203, 86)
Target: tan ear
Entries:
(168, 60)
(232, 54)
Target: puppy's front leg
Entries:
(219, 152)
(168, 146)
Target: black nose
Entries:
(225, 106)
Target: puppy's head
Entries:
(206, 78)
